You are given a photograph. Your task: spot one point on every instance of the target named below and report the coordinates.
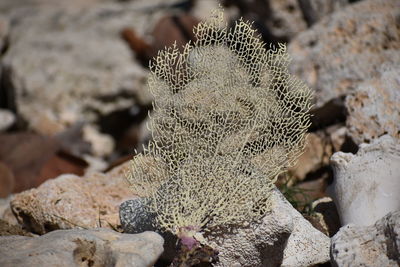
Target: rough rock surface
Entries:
(9, 229)
(283, 237)
(374, 108)
(70, 201)
(366, 185)
(344, 49)
(369, 246)
(68, 65)
(134, 218)
(96, 247)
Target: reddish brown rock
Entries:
(6, 180)
(29, 159)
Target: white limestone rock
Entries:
(373, 109)
(368, 246)
(69, 65)
(96, 247)
(366, 185)
(342, 50)
(283, 238)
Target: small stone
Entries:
(375, 245)
(337, 134)
(7, 119)
(102, 144)
(134, 216)
(96, 247)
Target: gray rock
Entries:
(134, 216)
(373, 109)
(69, 65)
(283, 238)
(366, 185)
(96, 247)
(368, 246)
(342, 50)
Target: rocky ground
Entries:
(74, 106)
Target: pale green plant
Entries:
(228, 119)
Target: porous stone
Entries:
(282, 238)
(342, 50)
(369, 246)
(95, 247)
(134, 216)
(373, 109)
(366, 186)
(70, 201)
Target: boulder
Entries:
(373, 109)
(342, 50)
(69, 65)
(366, 186)
(95, 247)
(282, 238)
(70, 201)
(368, 246)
